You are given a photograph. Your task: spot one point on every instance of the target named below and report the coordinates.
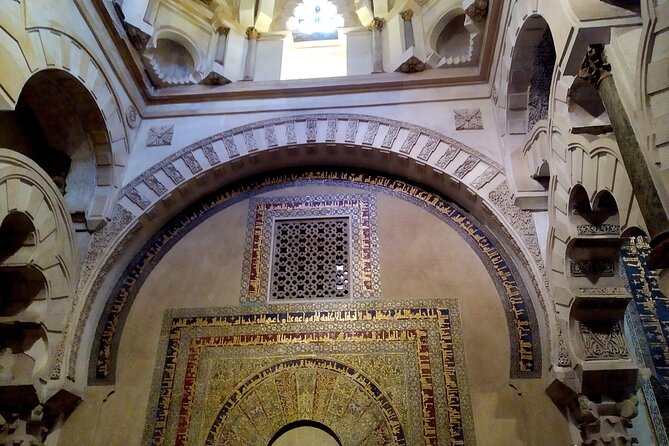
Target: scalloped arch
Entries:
(26, 188)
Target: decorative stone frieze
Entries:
(155, 185)
(409, 142)
(190, 162)
(448, 157)
(583, 268)
(210, 154)
(270, 136)
(466, 167)
(603, 229)
(221, 148)
(428, 149)
(603, 340)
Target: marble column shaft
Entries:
(597, 70)
(408, 29)
(252, 35)
(377, 49)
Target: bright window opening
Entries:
(314, 48)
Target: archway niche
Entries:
(16, 231)
(530, 76)
(20, 287)
(305, 432)
(58, 124)
(455, 40)
(527, 108)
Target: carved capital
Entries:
(224, 30)
(407, 15)
(252, 33)
(606, 422)
(478, 10)
(376, 23)
(595, 66)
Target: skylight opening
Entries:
(314, 48)
(315, 19)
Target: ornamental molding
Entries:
(425, 145)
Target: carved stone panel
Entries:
(468, 119)
(160, 136)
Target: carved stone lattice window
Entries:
(310, 259)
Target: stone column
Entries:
(250, 66)
(408, 29)
(598, 71)
(377, 49)
(221, 45)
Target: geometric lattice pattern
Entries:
(310, 259)
(377, 373)
(260, 266)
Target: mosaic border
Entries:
(364, 259)
(650, 321)
(525, 344)
(188, 328)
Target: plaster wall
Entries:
(204, 270)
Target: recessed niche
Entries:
(23, 349)
(19, 287)
(16, 231)
(453, 41)
(170, 63)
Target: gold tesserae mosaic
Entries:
(375, 373)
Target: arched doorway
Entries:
(305, 432)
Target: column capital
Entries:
(252, 33)
(407, 15)
(477, 10)
(595, 66)
(376, 23)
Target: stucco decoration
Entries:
(376, 373)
